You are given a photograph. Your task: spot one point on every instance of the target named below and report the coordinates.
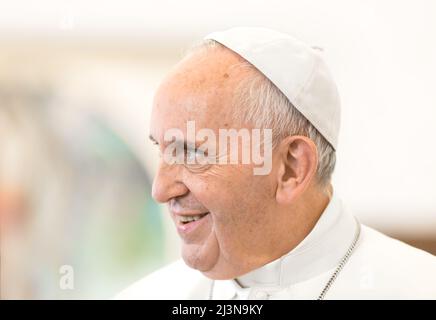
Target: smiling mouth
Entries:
(185, 219)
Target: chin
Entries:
(195, 260)
(202, 257)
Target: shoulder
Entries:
(392, 268)
(396, 253)
(174, 281)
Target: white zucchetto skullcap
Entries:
(297, 69)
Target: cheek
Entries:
(239, 205)
(221, 189)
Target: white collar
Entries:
(320, 251)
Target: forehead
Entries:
(200, 88)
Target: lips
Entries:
(190, 218)
(187, 223)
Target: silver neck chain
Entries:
(335, 273)
(342, 263)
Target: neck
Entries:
(332, 232)
(318, 253)
(298, 221)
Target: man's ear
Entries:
(298, 162)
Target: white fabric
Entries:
(379, 268)
(297, 69)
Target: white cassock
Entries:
(379, 268)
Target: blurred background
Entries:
(76, 84)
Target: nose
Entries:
(166, 184)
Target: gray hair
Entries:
(255, 92)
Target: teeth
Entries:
(186, 219)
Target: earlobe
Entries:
(285, 191)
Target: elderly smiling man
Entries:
(280, 234)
